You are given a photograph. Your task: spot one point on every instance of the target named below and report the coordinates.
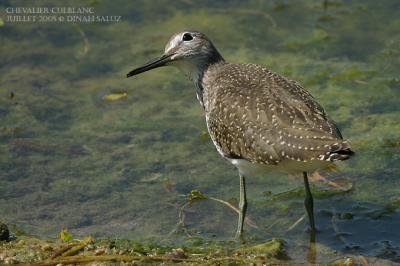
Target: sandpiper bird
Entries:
(257, 119)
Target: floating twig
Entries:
(86, 44)
(247, 220)
(195, 196)
(63, 250)
(296, 223)
(78, 247)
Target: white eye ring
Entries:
(187, 37)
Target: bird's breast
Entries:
(248, 168)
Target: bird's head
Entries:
(190, 51)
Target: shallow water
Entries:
(71, 159)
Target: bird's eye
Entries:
(187, 37)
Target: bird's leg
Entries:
(312, 251)
(242, 208)
(309, 203)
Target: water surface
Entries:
(70, 159)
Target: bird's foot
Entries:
(239, 237)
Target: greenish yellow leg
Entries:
(309, 203)
(242, 208)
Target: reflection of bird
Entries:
(257, 119)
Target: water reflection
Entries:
(121, 167)
(312, 251)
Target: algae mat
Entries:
(84, 148)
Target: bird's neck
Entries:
(195, 70)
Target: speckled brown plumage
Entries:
(257, 119)
(263, 117)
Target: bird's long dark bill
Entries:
(158, 62)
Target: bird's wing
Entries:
(263, 117)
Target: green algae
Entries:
(271, 249)
(40, 252)
(69, 159)
(36, 251)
